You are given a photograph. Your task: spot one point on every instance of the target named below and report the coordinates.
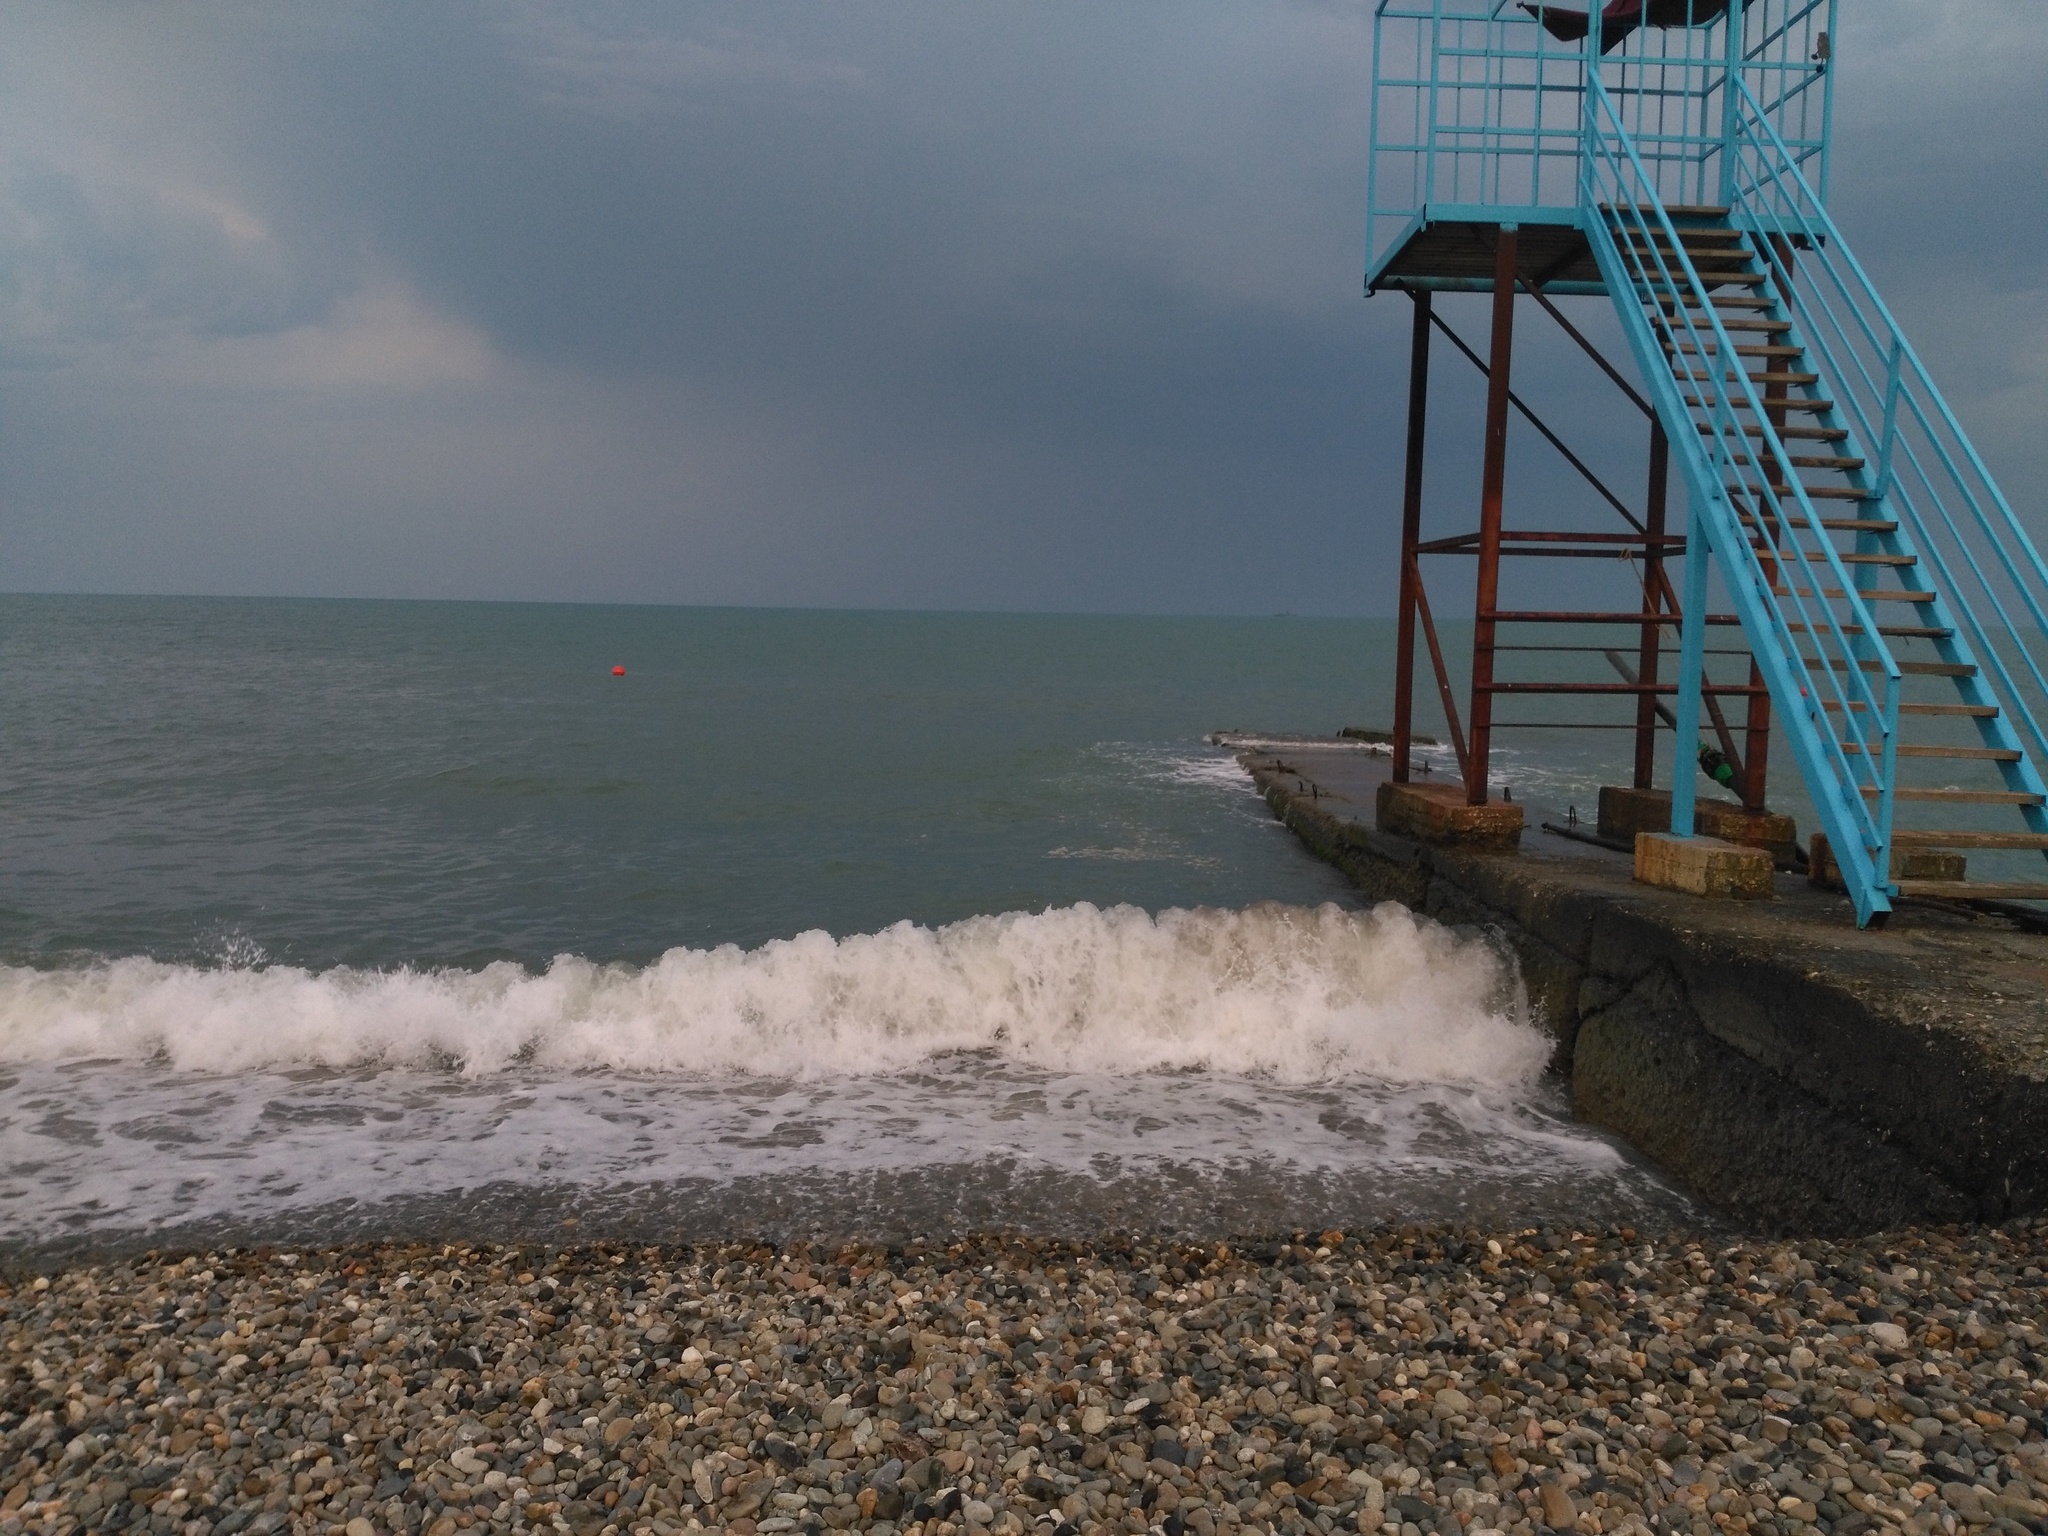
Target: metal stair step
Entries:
(1968, 711)
(1770, 326)
(1713, 244)
(1888, 631)
(1713, 349)
(1754, 378)
(1975, 754)
(1835, 461)
(1722, 300)
(1915, 838)
(1672, 210)
(1847, 557)
(1803, 405)
(1706, 234)
(1975, 890)
(1910, 668)
(1961, 796)
(1805, 434)
(1654, 255)
(1874, 595)
(1814, 492)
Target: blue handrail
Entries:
(1846, 755)
(1923, 463)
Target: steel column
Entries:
(1411, 534)
(1653, 584)
(1493, 479)
(1692, 645)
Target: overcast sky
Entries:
(920, 303)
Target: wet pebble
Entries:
(1413, 1383)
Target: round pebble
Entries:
(1421, 1382)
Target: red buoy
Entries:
(618, 671)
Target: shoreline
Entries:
(1443, 1379)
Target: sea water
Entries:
(352, 919)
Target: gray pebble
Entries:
(1434, 1382)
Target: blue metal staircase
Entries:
(1895, 606)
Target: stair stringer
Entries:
(1866, 870)
(1956, 647)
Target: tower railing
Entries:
(1475, 106)
(1921, 462)
(1846, 754)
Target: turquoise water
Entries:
(325, 918)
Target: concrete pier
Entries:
(1789, 1069)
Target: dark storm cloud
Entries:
(1043, 306)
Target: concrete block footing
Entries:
(1907, 864)
(1438, 814)
(1624, 812)
(1703, 866)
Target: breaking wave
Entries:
(1299, 995)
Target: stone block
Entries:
(1625, 811)
(1907, 864)
(1438, 814)
(1779, 835)
(1703, 866)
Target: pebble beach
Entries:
(1445, 1381)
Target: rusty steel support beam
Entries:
(1443, 677)
(1492, 485)
(1411, 534)
(1654, 582)
(1550, 437)
(1600, 546)
(1633, 617)
(1706, 689)
(1621, 383)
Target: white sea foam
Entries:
(1291, 994)
(1034, 1067)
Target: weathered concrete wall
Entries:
(1793, 1072)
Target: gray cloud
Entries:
(893, 303)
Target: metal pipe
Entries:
(1492, 484)
(1653, 582)
(1411, 530)
(1659, 689)
(1691, 673)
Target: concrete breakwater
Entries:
(1790, 1070)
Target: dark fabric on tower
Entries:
(1621, 17)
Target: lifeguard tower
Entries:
(1883, 607)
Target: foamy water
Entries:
(1373, 1059)
(1294, 994)
(324, 919)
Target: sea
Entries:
(336, 920)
